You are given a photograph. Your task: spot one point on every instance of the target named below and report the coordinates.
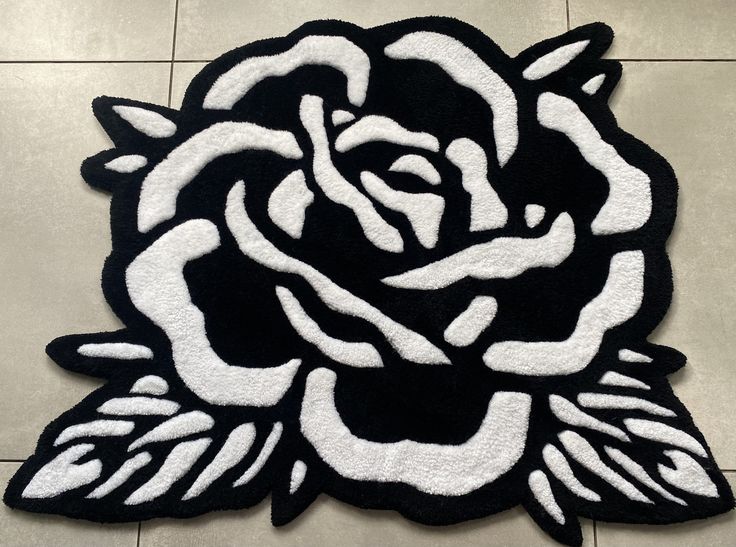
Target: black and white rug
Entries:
(392, 265)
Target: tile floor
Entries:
(677, 94)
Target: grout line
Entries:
(85, 62)
(595, 534)
(567, 13)
(676, 60)
(173, 51)
(138, 541)
(643, 60)
(151, 61)
(652, 60)
(2, 460)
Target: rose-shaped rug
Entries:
(393, 265)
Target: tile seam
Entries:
(173, 52)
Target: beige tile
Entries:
(88, 30)
(674, 29)
(331, 523)
(54, 228)
(717, 531)
(18, 528)
(206, 29)
(183, 74)
(687, 112)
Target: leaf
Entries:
(573, 62)
(661, 471)
(108, 460)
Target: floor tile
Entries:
(183, 74)
(85, 30)
(675, 29)
(717, 531)
(327, 522)
(205, 30)
(687, 112)
(54, 228)
(18, 528)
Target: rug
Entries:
(392, 265)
